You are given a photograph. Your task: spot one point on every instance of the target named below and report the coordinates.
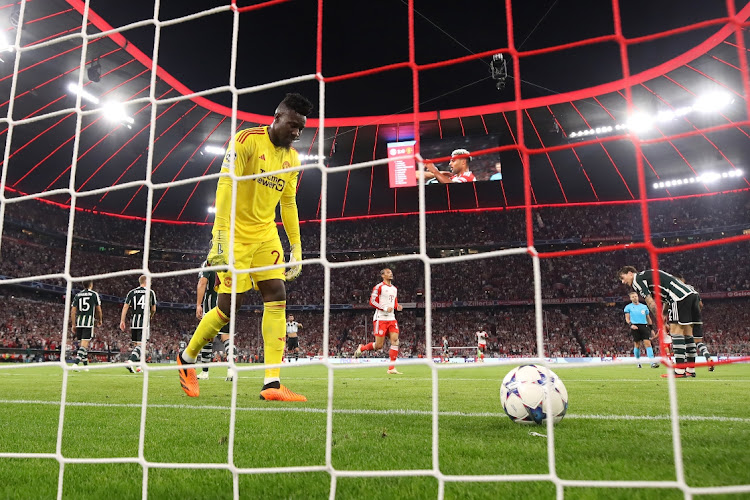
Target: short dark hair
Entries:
(633, 292)
(89, 284)
(625, 270)
(297, 102)
(382, 271)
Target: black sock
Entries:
(678, 346)
(703, 350)
(206, 353)
(135, 356)
(690, 351)
(228, 349)
(272, 385)
(81, 355)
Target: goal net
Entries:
(438, 432)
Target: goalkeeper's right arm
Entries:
(219, 248)
(218, 256)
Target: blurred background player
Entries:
(460, 172)
(384, 298)
(259, 150)
(700, 346)
(445, 354)
(666, 346)
(481, 344)
(684, 311)
(292, 340)
(143, 311)
(206, 298)
(86, 305)
(638, 319)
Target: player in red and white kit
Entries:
(384, 299)
(481, 345)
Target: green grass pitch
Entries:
(617, 428)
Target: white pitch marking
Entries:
(442, 378)
(697, 418)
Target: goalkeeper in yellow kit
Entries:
(260, 150)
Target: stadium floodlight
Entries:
(4, 45)
(214, 150)
(712, 101)
(706, 177)
(665, 116)
(640, 122)
(115, 112)
(709, 177)
(75, 89)
(310, 157)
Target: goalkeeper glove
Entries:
(219, 246)
(295, 255)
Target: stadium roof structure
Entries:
(571, 83)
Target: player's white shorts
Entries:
(667, 338)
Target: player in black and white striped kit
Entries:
(684, 310)
(207, 298)
(700, 346)
(86, 309)
(292, 340)
(144, 308)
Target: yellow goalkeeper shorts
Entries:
(249, 256)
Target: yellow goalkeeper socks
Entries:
(213, 321)
(274, 334)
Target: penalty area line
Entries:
(696, 418)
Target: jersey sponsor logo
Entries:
(272, 181)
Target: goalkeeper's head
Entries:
(289, 120)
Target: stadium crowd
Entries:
(34, 240)
(448, 230)
(718, 268)
(568, 331)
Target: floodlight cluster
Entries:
(642, 122)
(706, 178)
(113, 111)
(214, 150)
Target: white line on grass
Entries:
(442, 378)
(697, 418)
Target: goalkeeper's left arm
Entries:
(290, 219)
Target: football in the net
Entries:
(522, 395)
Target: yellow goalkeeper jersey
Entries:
(257, 198)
